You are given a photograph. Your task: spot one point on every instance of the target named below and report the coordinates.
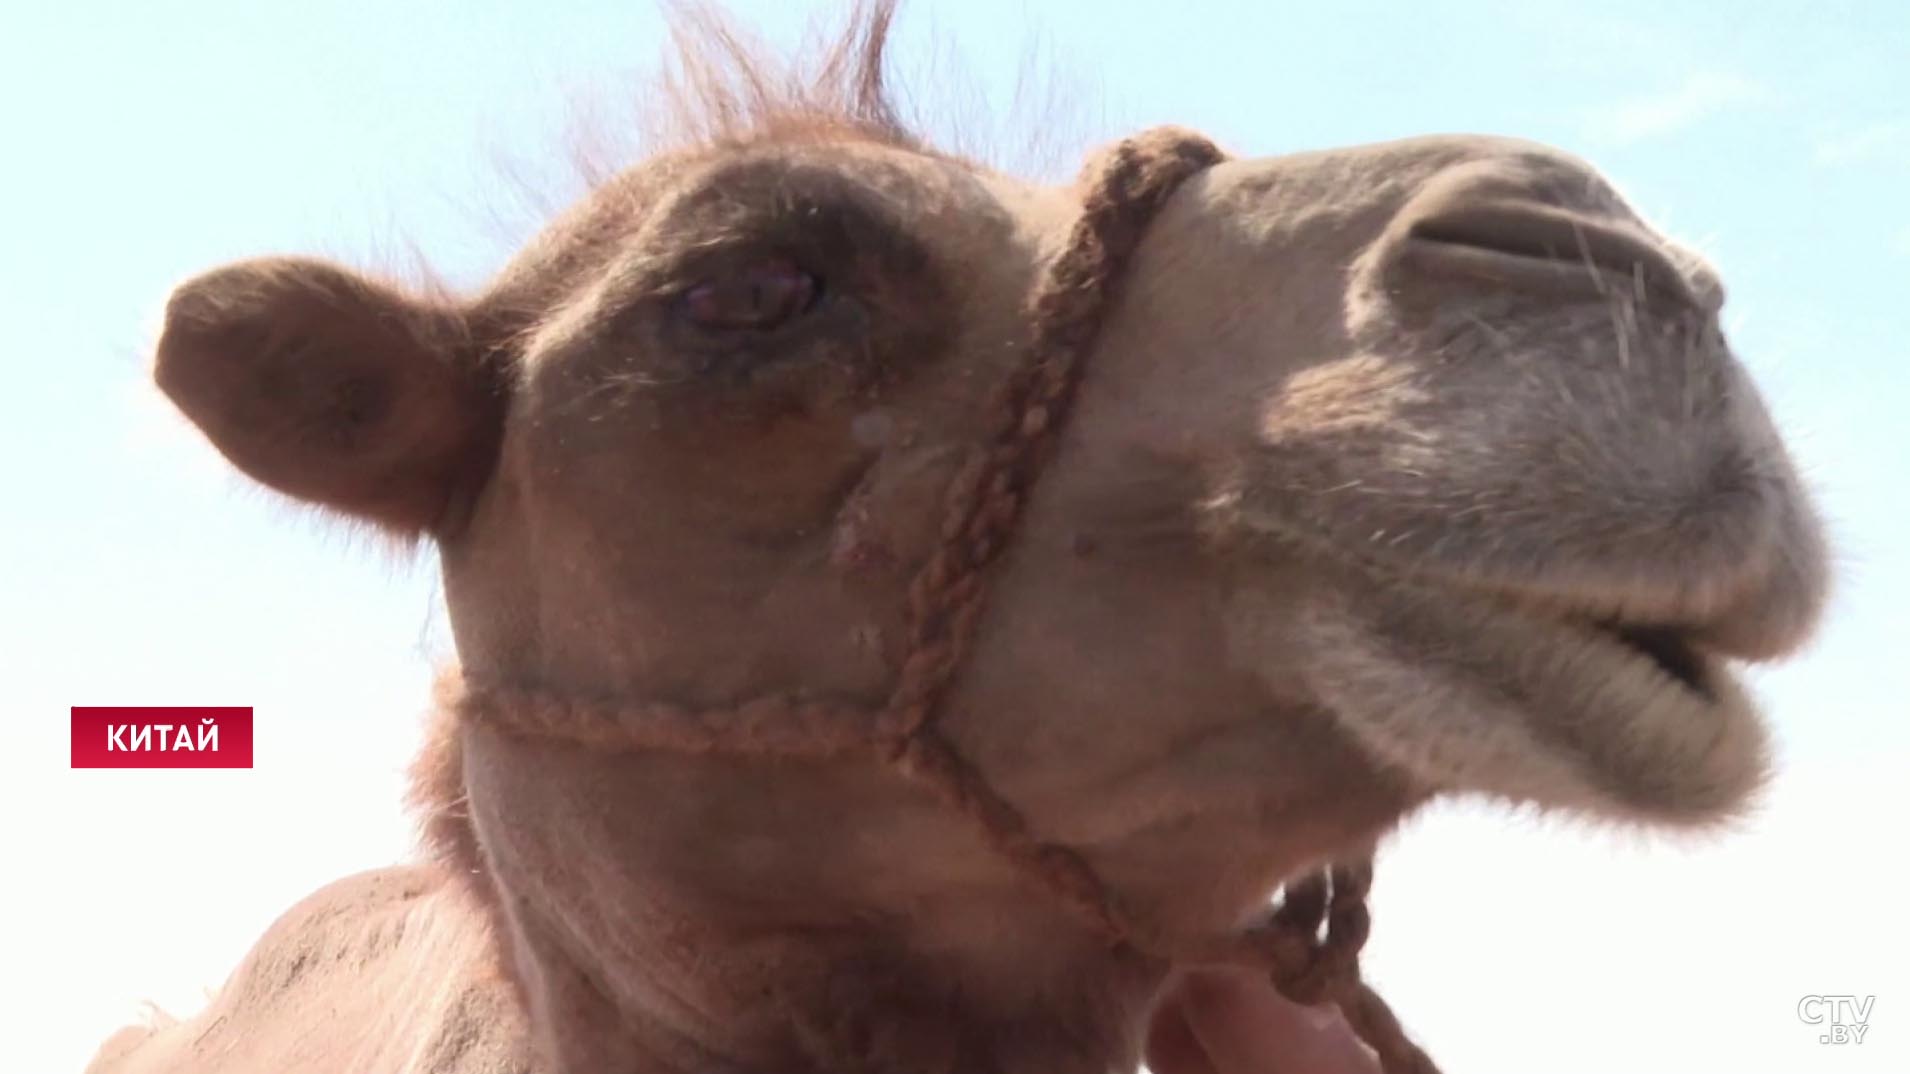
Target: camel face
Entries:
(1395, 471)
(1427, 455)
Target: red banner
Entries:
(162, 737)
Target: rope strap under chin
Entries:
(1310, 945)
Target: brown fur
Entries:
(1385, 465)
(396, 953)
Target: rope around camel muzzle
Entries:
(1310, 946)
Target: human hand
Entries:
(1233, 1021)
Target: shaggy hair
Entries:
(725, 88)
(719, 86)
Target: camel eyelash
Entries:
(772, 209)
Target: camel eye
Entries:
(756, 298)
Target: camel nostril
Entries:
(1520, 244)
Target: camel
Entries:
(904, 612)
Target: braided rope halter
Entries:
(1310, 946)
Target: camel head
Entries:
(1399, 471)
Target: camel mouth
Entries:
(1530, 701)
(1664, 667)
(1672, 652)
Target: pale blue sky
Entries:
(146, 141)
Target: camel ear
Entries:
(334, 389)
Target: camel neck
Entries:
(664, 912)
